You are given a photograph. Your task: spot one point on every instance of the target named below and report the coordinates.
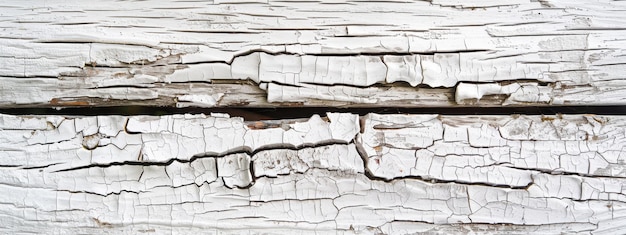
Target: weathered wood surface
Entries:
(314, 53)
(341, 173)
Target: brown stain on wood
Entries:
(257, 125)
(57, 101)
(102, 223)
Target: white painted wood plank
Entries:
(340, 52)
(341, 173)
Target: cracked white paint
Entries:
(341, 173)
(529, 93)
(263, 53)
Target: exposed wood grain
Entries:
(312, 53)
(342, 173)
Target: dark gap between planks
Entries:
(256, 114)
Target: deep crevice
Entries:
(257, 114)
(371, 176)
(245, 150)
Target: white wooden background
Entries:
(335, 173)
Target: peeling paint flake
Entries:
(199, 100)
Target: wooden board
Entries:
(338, 173)
(342, 173)
(226, 53)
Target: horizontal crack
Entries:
(372, 177)
(391, 53)
(368, 173)
(256, 114)
(245, 150)
(559, 172)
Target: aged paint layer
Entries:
(332, 52)
(343, 173)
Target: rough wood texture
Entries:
(342, 173)
(312, 53)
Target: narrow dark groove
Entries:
(9, 166)
(349, 54)
(370, 175)
(256, 114)
(243, 149)
(565, 173)
(392, 53)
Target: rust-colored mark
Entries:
(292, 104)
(257, 125)
(57, 101)
(599, 119)
(102, 223)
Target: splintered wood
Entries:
(312, 53)
(343, 173)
